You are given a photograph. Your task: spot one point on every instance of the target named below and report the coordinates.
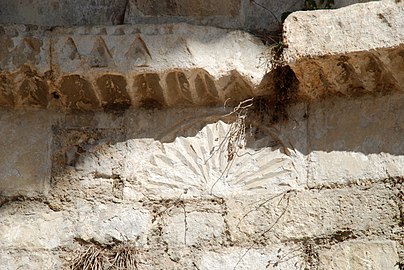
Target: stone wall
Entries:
(128, 138)
(234, 14)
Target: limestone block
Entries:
(25, 152)
(275, 257)
(12, 259)
(376, 255)
(349, 51)
(34, 228)
(108, 223)
(354, 140)
(334, 215)
(191, 8)
(193, 228)
(224, 14)
(154, 66)
(65, 12)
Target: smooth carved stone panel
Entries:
(201, 164)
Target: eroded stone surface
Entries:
(332, 214)
(25, 149)
(360, 255)
(34, 227)
(55, 13)
(28, 260)
(320, 189)
(355, 139)
(106, 224)
(277, 257)
(356, 50)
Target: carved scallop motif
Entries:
(200, 165)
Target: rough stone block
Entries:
(378, 255)
(34, 227)
(12, 259)
(359, 27)
(192, 8)
(352, 140)
(224, 14)
(194, 229)
(343, 214)
(356, 50)
(276, 257)
(109, 223)
(64, 12)
(25, 152)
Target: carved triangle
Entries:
(139, 53)
(100, 56)
(70, 49)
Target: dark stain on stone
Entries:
(384, 19)
(114, 94)
(78, 94)
(148, 92)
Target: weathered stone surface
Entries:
(379, 25)
(27, 260)
(65, 12)
(353, 140)
(108, 224)
(360, 255)
(24, 60)
(276, 257)
(34, 227)
(356, 50)
(235, 14)
(114, 67)
(322, 188)
(148, 58)
(25, 152)
(330, 215)
(24, 45)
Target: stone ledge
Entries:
(86, 68)
(350, 51)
